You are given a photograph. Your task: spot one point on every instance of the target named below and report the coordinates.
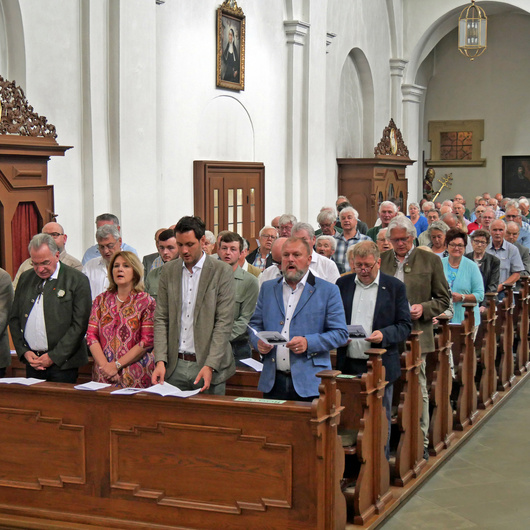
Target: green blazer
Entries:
(426, 285)
(213, 318)
(67, 305)
(6, 299)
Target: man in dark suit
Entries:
(6, 300)
(379, 303)
(308, 313)
(50, 315)
(194, 316)
(262, 257)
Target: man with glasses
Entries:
(49, 317)
(511, 263)
(261, 257)
(378, 302)
(109, 243)
(427, 292)
(57, 232)
(513, 214)
(488, 264)
(477, 223)
(327, 221)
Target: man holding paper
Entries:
(379, 303)
(308, 312)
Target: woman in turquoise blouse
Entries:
(463, 276)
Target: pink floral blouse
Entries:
(118, 330)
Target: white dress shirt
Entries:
(290, 301)
(35, 331)
(362, 314)
(323, 267)
(269, 274)
(96, 271)
(190, 286)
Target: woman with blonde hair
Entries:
(120, 329)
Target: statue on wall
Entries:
(428, 184)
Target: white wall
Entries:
(493, 87)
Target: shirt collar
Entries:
(197, 266)
(407, 255)
(502, 247)
(375, 282)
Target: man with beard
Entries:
(308, 313)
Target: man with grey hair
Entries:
(327, 222)
(57, 232)
(513, 213)
(49, 317)
(105, 219)
(287, 220)
(109, 243)
(320, 266)
(426, 207)
(350, 236)
(524, 206)
(427, 291)
(387, 211)
(378, 302)
(261, 257)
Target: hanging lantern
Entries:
(472, 30)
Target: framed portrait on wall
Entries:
(230, 46)
(516, 176)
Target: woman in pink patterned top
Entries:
(120, 330)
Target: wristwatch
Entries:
(463, 297)
(118, 366)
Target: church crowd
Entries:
(190, 312)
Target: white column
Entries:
(296, 126)
(412, 130)
(397, 68)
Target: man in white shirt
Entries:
(109, 243)
(320, 266)
(194, 316)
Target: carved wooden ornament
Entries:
(391, 143)
(17, 115)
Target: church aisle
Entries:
(485, 485)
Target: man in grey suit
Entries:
(194, 316)
(6, 300)
(50, 315)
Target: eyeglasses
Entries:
(455, 245)
(269, 237)
(365, 268)
(479, 242)
(400, 240)
(510, 216)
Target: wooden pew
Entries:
(362, 398)
(441, 424)
(143, 461)
(465, 361)
(504, 330)
(409, 455)
(520, 318)
(487, 342)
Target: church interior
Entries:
(137, 118)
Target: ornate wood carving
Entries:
(18, 116)
(391, 143)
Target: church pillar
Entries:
(412, 130)
(296, 126)
(397, 67)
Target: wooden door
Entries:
(230, 196)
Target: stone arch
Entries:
(12, 45)
(356, 107)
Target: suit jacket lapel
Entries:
(348, 298)
(204, 281)
(278, 292)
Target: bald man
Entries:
(57, 232)
(274, 270)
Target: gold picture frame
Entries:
(230, 46)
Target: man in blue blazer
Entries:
(308, 312)
(379, 303)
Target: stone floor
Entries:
(485, 485)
